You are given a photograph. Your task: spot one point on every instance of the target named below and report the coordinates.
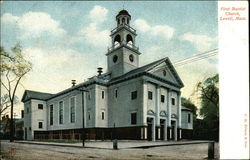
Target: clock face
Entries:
(115, 58)
(131, 58)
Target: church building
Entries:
(127, 102)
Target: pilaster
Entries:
(179, 109)
(144, 102)
(169, 107)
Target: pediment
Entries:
(174, 116)
(166, 71)
(163, 113)
(151, 112)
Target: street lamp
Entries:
(83, 125)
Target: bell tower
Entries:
(123, 55)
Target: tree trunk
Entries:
(11, 123)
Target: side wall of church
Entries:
(121, 106)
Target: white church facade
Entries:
(126, 102)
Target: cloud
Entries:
(7, 17)
(98, 14)
(94, 36)
(35, 23)
(60, 71)
(91, 33)
(165, 31)
(201, 42)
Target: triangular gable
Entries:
(35, 95)
(25, 97)
(165, 70)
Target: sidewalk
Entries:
(121, 144)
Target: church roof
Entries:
(144, 69)
(103, 80)
(139, 70)
(28, 94)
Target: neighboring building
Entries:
(186, 123)
(19, 129)
(5, 127)
(126, 102)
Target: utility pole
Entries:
(83, 117)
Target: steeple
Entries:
(123, 55)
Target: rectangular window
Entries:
(189, 118)
(150, 95)
(61, 112)
(40, 124)
(28, 110)
(51, 114)
(102, 115)
(89, 116)
(40, 106)
(173, 101)
(133, 118)
(116, 93)
(134, 95)
(102, 94)
(162, 98)
(22, 113)
(72, 109)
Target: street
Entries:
(24, 151)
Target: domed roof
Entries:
(123, 12)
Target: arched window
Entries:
(117, 40)
(123, 20)
(127, 21)
(129, 40)
(118, 21)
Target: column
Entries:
(157, 110)
(175, 132)
(179, 113)
(169, 111)
(165, 130)
(153, 129)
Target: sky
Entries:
(69, 40)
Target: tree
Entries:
(13, 67)
(209, 96)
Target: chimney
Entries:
(73, 83)
(99, 71)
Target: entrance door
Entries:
(162, 121)
(173, 130)
(149, 130)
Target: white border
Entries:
(234, 83)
